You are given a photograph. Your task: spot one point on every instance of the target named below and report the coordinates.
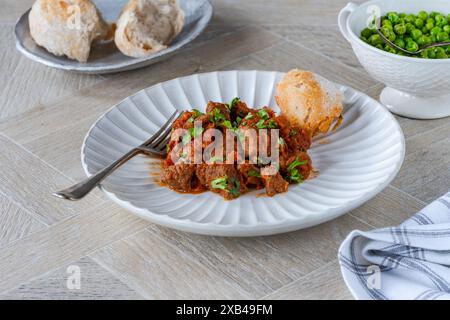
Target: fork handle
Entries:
(81, 189)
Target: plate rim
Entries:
(132, 64)
(261, 228)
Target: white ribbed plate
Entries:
(356, 163)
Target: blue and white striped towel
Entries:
(411, 261)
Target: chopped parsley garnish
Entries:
(186, 139)
(293, 174)
(238, 121)
(195, 114)
(227, 124)
(271, 124)
(280, 141)
(293, 133)
(216, 116)
(219, 183)
(214, 159)
(253, 173)
(235, 187)
(248, 116)
(222, 184)
(233, 103)
(196, 132)
(263, 114)
(260, 124)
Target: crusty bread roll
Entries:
(148, 26)
(309, 101)
(67, 27)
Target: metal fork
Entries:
(156, 145)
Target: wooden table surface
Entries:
(45, 113)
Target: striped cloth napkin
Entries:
(411, 261)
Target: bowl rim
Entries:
(382, 52)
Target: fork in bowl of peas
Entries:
(412, 32)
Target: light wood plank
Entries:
(286, 56)
(389, 208)
(64, 242)
(15, 222)
(25, 85)
(159, 271)
(30, 182)
(62, 148)
(325, 283)
(13, 9)
(92, 101)
(324, 40)
(287, 12)
(426, 171)
(257, 266)
(95, 283)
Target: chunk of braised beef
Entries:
(217, 112)
(275, 184)
(240, 110)
(178, 177)
(251, 175)
(304, 169)
(295, 137)
(223, 179)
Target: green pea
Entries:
(409, 27)
(424, 29)
(392, 37)
(429, 25)
(391, 50)
(366, 33)
(402, 15)
(386, 31)
(418, 23)
(433, 14)
(400, 42)
(393, 17)
(422, 15)
(408, 39)
(379, 46)
(422, 40)
(410, 18)
(440, 53)
(446, 28)
(442, 36)
(401, 21)
(439, 17)
(431, 53)
(412, 46)
(400, 29)
(424, 54)
(375, 40)
(416, 33)
(386, 22)
(435, 31)
(432, 38)
(442, 23)
(447, 50)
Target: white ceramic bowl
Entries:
(417, 88)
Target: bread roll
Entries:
(67, 27)
(309, 101)
(148, 26)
